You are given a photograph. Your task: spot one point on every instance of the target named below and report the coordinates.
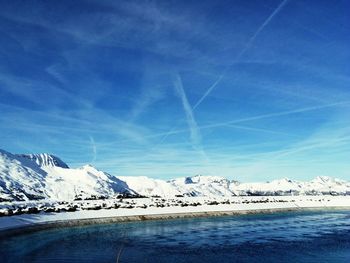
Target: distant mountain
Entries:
(216, 186)
(150, 187)
(321, 185)
(200, 185)
(44, 176)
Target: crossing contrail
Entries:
(195, 135)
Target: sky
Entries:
(250, 90)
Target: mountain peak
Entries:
(44, 159)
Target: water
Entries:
(281, 237)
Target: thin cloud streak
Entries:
(277, 114)
(191, 122)
(253, 118)
(240, 54)
(94, 149)
(83, 120)
(260, 117)
(261, 28)
(260, 130)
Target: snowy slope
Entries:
(20, 179)
(150, 187)
(85, 182)
(24, 177)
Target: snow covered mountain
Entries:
(28, 177)
(44, 176)
(20, 179)
(200, 185)
(326, 185)
(146, 186)
(320, 185)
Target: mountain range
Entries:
(26, 177)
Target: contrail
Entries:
(261, 28)
(192, 124)
(276, 114)
(257, 117)
(260, 117)
(259, 130)
(94, 149)
(196, 138)
(243, 51)
(209, 90)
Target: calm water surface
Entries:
(281, 237)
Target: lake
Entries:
(309, 236)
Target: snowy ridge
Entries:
(44, 176)
(321, 185)
(44, 159)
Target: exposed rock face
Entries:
(44, 159)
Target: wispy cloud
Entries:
(246, 47)
(77, 123)
(31, 89)
(94, 83)
(258, 117)
(278, 114)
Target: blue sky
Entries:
(249, 90)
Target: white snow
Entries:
(68, 184)
(234, 204)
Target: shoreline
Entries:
(67, 223)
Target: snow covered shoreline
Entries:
(102, 211)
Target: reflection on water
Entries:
(282, 237)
